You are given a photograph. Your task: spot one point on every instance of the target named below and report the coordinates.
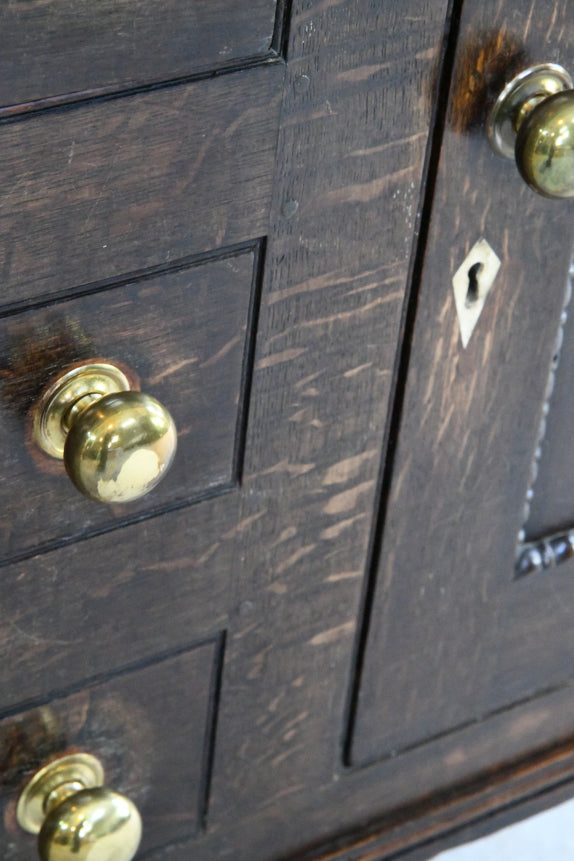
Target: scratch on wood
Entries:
(308, 379)
(222, 352)
(353, 371)
(208, 554)
(329, 279)
(334, 531)
(444, 425)
(348, 468)
(529, 20)
(343, 575)
(286, 534)
(362, 73)
(277, 759)
(278, 358)
(301, 415)
(244, 524)
(348, 499)
(363, 192)
(294, 469)
(342, 316)
(374, 285)
(401, 142)
(332, 634)
(171, 370)
(294, 558)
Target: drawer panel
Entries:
(152, 729)
(91, 192)
(117, 600)
(187, 334)
(56, 47)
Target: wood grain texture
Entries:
(185, 335)
(60, 47)
(351, 154)
(149, 728)
(452, 638)
(466, 802)
(470, 811)
(78, 614)
(95, 191)
(279, 564)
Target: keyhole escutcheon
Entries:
(473, 290)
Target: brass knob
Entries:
(116, 443)
(533, 121)
(75, 817)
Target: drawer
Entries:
(187, 334)
(94, 191)
(54, 47)
(152, 729)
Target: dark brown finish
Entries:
(134, 722)
(465, 812)
(63, 47)
(279, 564)
(116, 600)
(186, 335)
(282, 564)
(100, 190)
(452, 637)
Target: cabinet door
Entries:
(467, 625)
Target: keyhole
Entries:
(473, 286)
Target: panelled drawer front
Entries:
(57, 47)
(92, 192)
(152, 727)
(186, 334)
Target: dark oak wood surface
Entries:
(186, 336)
(279, 564)
(95, 191)
(452, 637)
(73, 615)
(326, 163)
(63, 47)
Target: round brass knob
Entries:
(75, 817)
(116, 443)
(533, 121)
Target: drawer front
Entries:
(95, 191)
(54, 47)
(187, 334)
(153, 729)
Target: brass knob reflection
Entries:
(116, 444)
(75, 817)
(533, 121)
